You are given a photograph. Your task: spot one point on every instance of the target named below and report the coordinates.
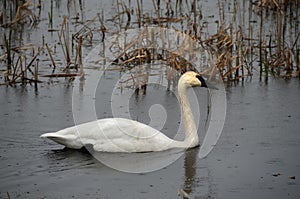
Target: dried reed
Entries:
(235, 49)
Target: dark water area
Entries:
(257, 155)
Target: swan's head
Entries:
(192, 79)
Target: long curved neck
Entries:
(191, 135)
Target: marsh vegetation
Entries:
(242, 39)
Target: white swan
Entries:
(124, 135)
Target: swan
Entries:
(124, 135)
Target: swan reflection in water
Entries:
(190, 177)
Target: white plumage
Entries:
(124, 135)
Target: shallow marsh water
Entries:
(256, 156)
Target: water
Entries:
(260, 139)
(257, 155)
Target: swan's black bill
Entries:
(206, 84)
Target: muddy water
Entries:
(257, 155)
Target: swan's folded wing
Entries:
(123, 135)
(112, 135)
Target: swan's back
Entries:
(112, 135)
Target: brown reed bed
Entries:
(137, 57)
(20, 13)
(234, 51)
(237, 48)
(23, 61)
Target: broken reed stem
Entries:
(119, 15)
(26, 68)
(61, 75)
(8, 53)
(50, 15)
(36, 70)
(16, 67)
(51, 58)
(80, 58)
(279, 29)
(139, 13)
(266, 66)
(237, 60)
(157, 13)
(128, 15)
(20, 12)
(8, 196)
(21, 68)
(260, 44)
(66, 42)
(195, 19)
(23, 71)
(64, 32)
(103, 28)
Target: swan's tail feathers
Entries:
(48, 135)
(70, 141)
